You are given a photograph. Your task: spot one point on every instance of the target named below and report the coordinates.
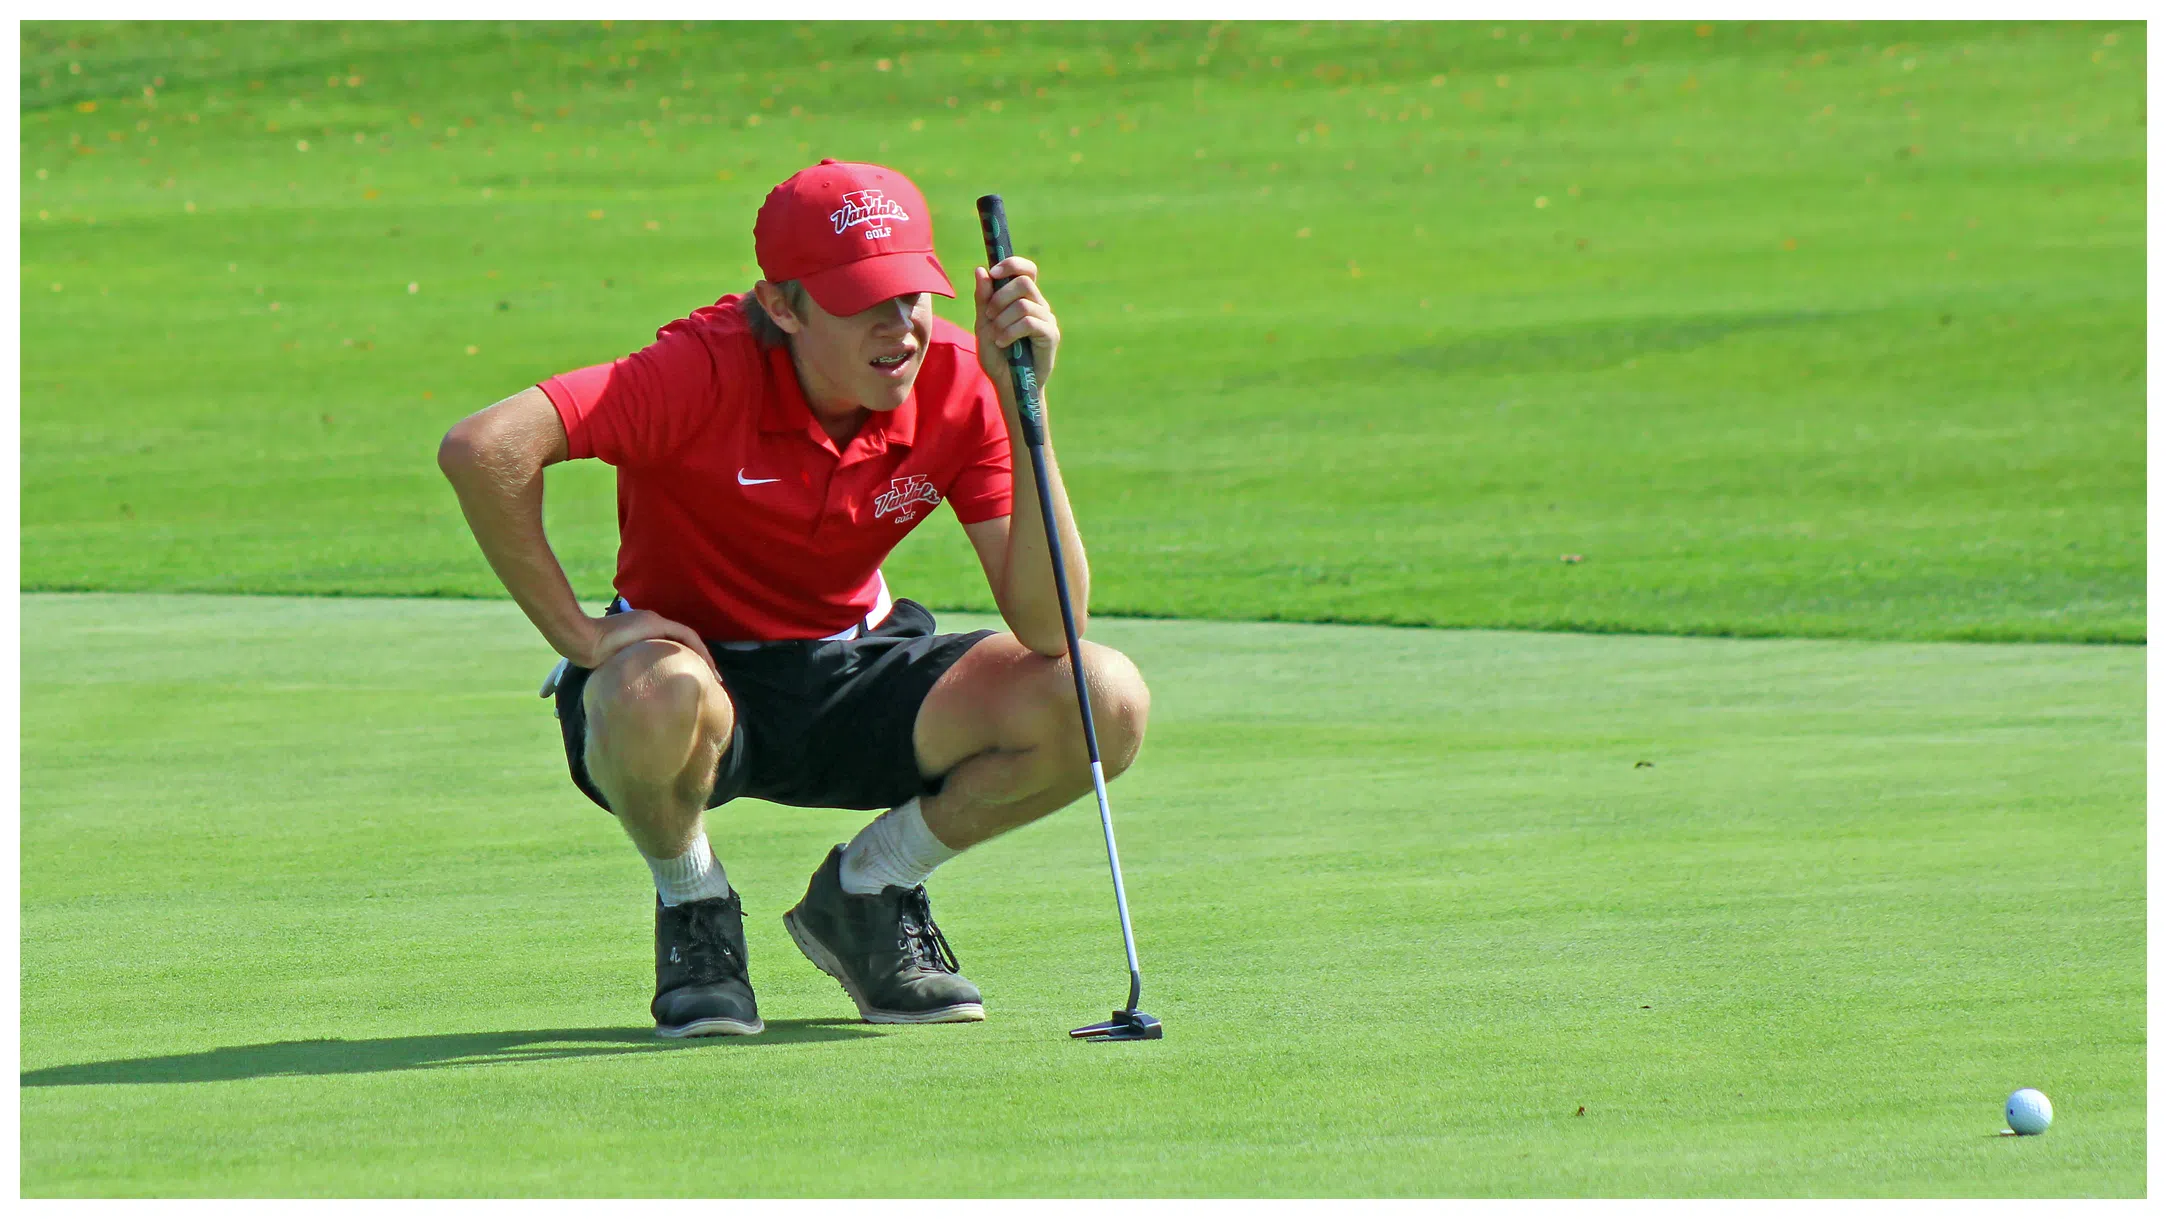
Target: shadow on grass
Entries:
(333, 1056)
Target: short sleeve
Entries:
(982, 490)
(641, 409)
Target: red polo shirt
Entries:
(736, 514)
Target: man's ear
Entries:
(777, 307)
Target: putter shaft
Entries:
(1127, 1024)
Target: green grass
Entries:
(1828, 330)
(308, 907)
(1806, 330)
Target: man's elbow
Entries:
(464, 448)
(455, 454)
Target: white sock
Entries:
(691, 877)
(897, 849)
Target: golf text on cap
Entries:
(866, 207)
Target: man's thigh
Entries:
(1003, 695)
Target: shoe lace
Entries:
(920, 937)
(707, 941)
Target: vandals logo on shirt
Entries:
(904, 497)
(867, 207)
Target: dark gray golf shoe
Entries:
(892, 960)
(701, 989)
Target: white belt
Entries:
(883, 605)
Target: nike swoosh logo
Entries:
(743, 481)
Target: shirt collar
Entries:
(785, 409)
(900, 425)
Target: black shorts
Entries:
(821, 723)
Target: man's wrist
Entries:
(578, 640)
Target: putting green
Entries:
(309, 908)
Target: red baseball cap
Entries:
(853, 234)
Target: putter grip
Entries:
(993, 220)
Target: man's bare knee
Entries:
(655, 699)
(1120, 705)
(1120, 708)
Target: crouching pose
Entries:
(771, 450)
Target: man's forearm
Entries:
(1028, 601)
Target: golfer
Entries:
(771, 450)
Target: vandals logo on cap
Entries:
(867, 207)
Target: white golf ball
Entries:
(2029, 1111)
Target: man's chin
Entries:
(887, 397)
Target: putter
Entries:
(1128, 1024)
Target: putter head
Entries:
(1125, 1026)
